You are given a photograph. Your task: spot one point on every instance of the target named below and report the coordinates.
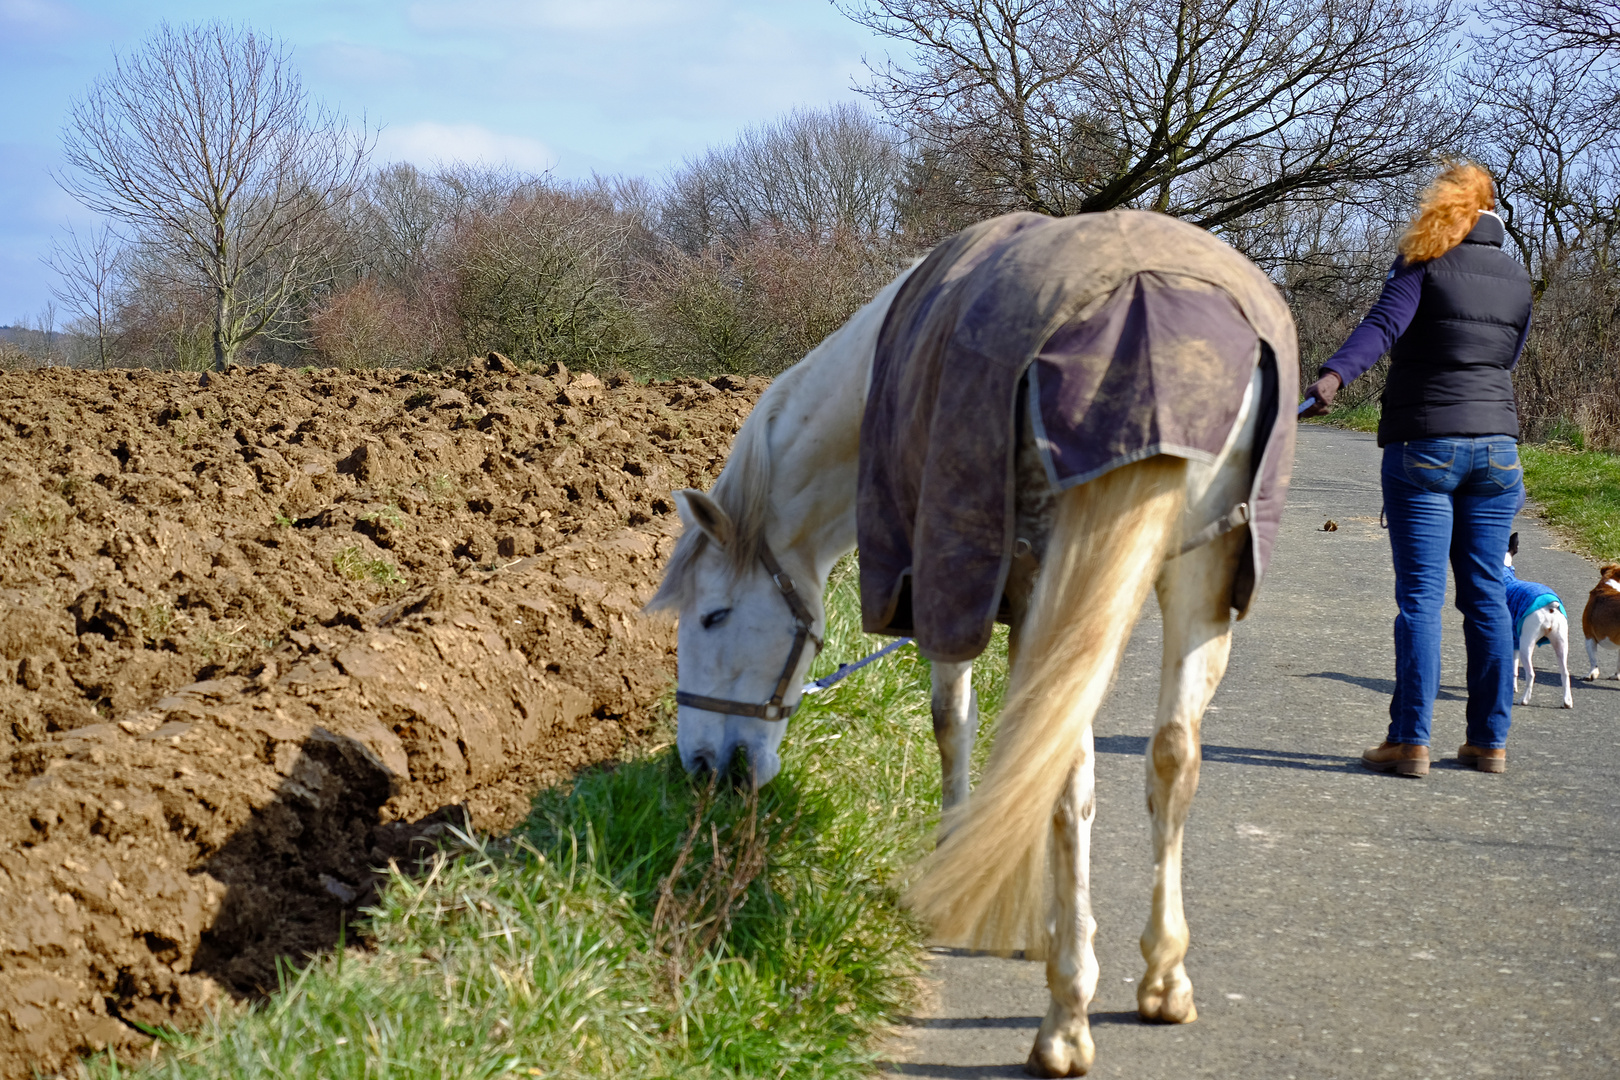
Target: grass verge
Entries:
(1577, 491)
(1362, 417)
(638, 927)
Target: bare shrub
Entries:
(759, 303)
(370, 324)
(1568, 381)
(542, 278)
(13, 358)
(164, 316)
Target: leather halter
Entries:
(802, 620)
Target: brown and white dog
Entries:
(1601, 620)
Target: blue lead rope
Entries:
(846, 670)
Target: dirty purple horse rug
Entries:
(1127, 334)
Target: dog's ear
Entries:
(1513, 544)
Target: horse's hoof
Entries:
(1061, 1057)
(1166, 1001)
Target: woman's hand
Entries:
(1324, 389)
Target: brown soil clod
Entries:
(260, 633)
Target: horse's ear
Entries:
(698, 511)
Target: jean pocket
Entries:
(1429, 463)
(1504, 465)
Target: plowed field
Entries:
(263, 632)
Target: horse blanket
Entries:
(1125, 335)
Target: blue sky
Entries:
(614, 86)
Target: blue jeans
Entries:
(1452, 497)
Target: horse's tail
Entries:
(985, 887)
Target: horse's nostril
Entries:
(740, 770)
(702, 763)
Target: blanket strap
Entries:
(1237, 517)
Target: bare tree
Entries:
(1205, 109)
(400, 217)
(88, 270)
(812, 172)
(1550, 142)
(998, 84)
(204, 141)
(1561, 25)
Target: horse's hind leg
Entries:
(1063, 1047)
(1194, 596)
(956, 724)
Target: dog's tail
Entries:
(985, 887)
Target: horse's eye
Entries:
(715, 618)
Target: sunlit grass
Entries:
(1578, 492)
(535, 954)
(1359, 417)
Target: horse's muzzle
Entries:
(743, 767)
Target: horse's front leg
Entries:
(1063, 1047)
(956, 724)
(1194, 595)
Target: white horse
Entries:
(747, 579)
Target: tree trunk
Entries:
(221, 308)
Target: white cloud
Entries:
(592, 16)
(429, 143)
(37, 17)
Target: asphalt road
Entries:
(1344, 924)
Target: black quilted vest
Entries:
(1450, 373)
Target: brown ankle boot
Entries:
(1402, 759)
(1477, 757)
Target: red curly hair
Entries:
(1447, 210)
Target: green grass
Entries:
(353, 564)
(1362, 417)
(1579, 493)
(546, 954)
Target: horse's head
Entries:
(749, 627)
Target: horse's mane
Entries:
(743, 492)
(744, 486)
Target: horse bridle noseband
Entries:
(802, 620)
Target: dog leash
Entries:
(846, 670)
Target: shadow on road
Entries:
(941, 1023)
(1384, 687)
(1136, 745)
(965, 1072)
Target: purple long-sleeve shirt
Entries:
(1386, 321)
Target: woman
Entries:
(1453, 317)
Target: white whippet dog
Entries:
(747, 579)
(1546, 622)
